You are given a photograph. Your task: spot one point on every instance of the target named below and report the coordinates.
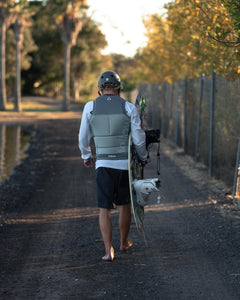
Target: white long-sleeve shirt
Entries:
(138, 137)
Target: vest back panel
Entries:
(110, 126)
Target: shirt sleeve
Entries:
(85, 133)
(138, 134)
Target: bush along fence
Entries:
(203, 117)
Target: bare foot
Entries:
(126, 246)
(109, 256)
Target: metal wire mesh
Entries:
(227, 128)
(182, 110)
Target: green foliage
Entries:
(47, 63)
(125, 67)
(46, 73)
(193, 37)
(14, 9)
(28, 47)
(233, 7)
(86, 58)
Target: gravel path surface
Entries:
(51, 246)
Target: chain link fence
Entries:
(202, 116)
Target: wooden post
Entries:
(177, 114)
(163, 109)
(199, 118)
(236, 185)
(170, 112)
(185, 116)
(211, 140)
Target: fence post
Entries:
(237, 172)
(154, 107)
(211, 140)
(170, 112)
(177, 115)
(199, 118)
(185, 116)
(163, 109)
(150, 105)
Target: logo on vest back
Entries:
(109, 98)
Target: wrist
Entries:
(87, 160)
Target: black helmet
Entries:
(109, 77)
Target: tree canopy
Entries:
(46, 73)
(192, 37)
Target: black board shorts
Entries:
(112, 187)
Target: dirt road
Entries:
(51, 245)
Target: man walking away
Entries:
(109, 119)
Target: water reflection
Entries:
(13, 144)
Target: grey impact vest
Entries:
(110, 126)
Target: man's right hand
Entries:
(89, 163)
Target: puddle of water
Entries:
(14, 142)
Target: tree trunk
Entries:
(2, 148)
(67, 62)
(17, 102)
(76, 88)
(3, 95)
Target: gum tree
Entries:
(87, 59)
(193, 37)
(21, 22)
(71, 22)
(7, 17)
